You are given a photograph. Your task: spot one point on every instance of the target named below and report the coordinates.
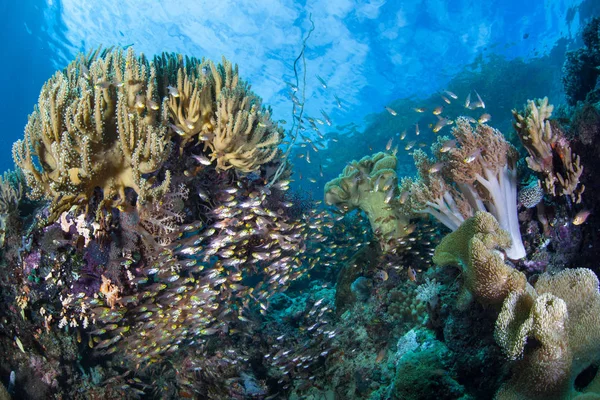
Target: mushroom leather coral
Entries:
(364, 184)
(562, 314)
(472, 247)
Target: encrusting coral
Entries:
(472, 247)
(476, 171)
(371, 185)
(110, 120)
(549, 150)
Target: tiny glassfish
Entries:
(173, 91)
(388, 196)
(581, 217)
(327, 119)
(449, 93)
(177, 130)
(404, 197)
(435, 167)
(420, 109)
(388, 146)
(468, 101)
(472, 157)
(202, 159)
(139, 102)
(480, 102)
(410, 145)
(293, 87)
(151, 104)
(438, 110)
(391, 111)
(322, 81)
(338, 101)
(85, 71)
(103, 84)
(447, 146)
(442, 122)
(417, 132)
(484, 118)
(403, 135)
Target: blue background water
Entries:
(370, 53)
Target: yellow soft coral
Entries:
(212, 104)
(92, 129)
(562, 314)
(371, 184)
(549, 151)
(110, 120)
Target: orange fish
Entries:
(412, 274)
(581, 217)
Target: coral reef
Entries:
(549, 151)
(12, 191)
(560, 313)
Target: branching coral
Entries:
(562, 315)
(371, 185)
(549, 151)
(476, 173)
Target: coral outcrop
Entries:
(550, 154)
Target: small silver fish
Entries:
(391, 111)
(449, 93)
(481, 103)
(202, 159)
(472, 157)
(388, 146)
(173, 91)
(484, 118)
(322, 81)
(177, 130)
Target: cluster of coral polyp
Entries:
(110, 121)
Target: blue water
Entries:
(369, 53)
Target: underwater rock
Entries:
(359, 265)
(580, 70)
(426, 373)
(361, 288)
